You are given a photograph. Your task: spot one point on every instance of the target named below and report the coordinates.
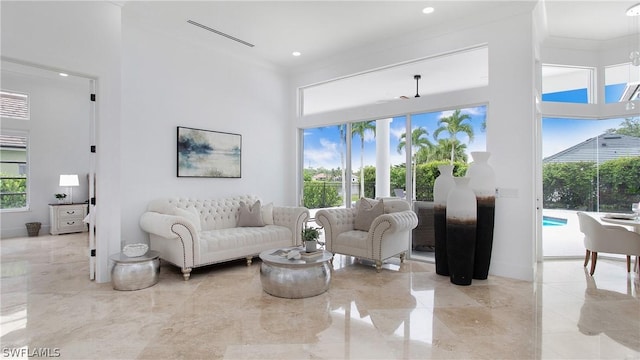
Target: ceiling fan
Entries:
(417, 78)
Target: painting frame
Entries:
(208, 154)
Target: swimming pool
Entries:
(553, 221)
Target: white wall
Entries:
(511, 139)
(84, 38)
(510, 119)
(170, 82)
(58, 132)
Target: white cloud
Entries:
(329, 145)
(369, 136)
(478, 110)
(474, 111)
(397, 131)
(445, 114)
(327, 155)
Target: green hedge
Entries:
(565, 185)
(321, 194)
(575, 185)
(425, 177)
(13, 193)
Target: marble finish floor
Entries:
(50, 307)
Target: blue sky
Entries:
(322, 145)
(559, 134)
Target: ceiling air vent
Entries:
(220, 33)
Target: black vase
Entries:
(441, 188)
(461, 232)
(483, 183)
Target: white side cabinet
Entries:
(67, 218)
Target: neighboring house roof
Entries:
(603, 148)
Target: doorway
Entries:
(61, 130)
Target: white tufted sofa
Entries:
(219, 240)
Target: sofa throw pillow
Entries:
(368, 210)
(250, 216)
(190, 214)
(267, 214)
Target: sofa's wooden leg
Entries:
(249, 260)
(402, 257)
(378, 265)
(186, 274)
(586, 257)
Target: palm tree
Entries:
(453, 125)
(417, 143)
(360, 128)
(441, 151)
(427, 154)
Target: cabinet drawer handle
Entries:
(70, 222)
(71, 212)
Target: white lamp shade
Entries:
(69, 180)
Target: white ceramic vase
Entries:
(441, 188)
(461, 231)
(483, 182)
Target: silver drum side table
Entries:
(294, 279)
(135, 273)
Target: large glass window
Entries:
(568, 84)
(13, 171)
(588, 165)
(378, 155)
(324, 170)
(462, 69)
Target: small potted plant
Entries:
(310, 236)
(60, 197)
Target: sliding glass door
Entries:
(345, 162)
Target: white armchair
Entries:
(388, 234)
(610, 239)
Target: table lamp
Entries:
(69, 181)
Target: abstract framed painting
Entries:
(205, 153)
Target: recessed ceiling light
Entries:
(296, 53)
(428, 10)
(63, 74)
(634, 10)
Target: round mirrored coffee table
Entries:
(294, 279)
